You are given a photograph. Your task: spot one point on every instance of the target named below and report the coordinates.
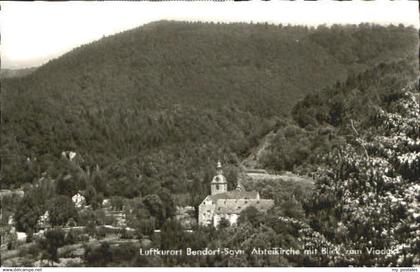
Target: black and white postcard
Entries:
(210, 134)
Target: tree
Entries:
(71, 237)
(167, 202)
(90, 194)
(363, 192)
(27, 215)
(156, 208)
(33, 205)
(93, 198)
(67, 185)
(117, 203)
(293, 208)
(70, 177)
(86, 216)
(251, 215)
(98, 256)
(53, 240)
(172, 235)
(61, 209)
(224, 223)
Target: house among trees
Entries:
(224, 204)
(44, 221)
(78, 200)
(70, 155)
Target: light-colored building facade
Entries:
(79, 200)
(222, 203)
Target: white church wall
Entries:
(233, 219)
(205, 212)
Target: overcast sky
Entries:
(34, 32)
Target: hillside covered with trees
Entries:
(162, 102)
(149, 111)
(364, 208)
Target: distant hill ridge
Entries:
(10, 73)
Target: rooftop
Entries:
(234, 206)
(235, 195)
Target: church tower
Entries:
(219, 182)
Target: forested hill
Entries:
(156, 106)
(323, 120)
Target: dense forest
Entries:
(323, 120)
(160, 103)
(148, 112)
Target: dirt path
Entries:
(252, 160)
(287, 176)
(253, 170)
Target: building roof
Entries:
(235, 195)
(235, 206)
(256, 171)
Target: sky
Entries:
(34, 32)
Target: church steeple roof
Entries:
(219, 177)
(219, 169)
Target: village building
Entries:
(44, 221)
(79, 200)
(70, 155)
(222, 203)
(186, 216)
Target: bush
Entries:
(127, 234)
(71, 237)
(101, 232)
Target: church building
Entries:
(222, 203)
